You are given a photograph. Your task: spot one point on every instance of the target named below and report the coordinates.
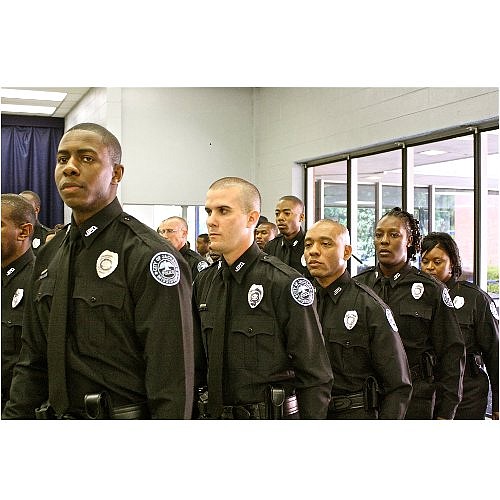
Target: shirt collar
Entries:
(295, 240)
(240, 265)
(8, 272)
(98, 222)
(336, 288)
(396, 277)
(451, 283)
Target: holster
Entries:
(475, 363)
(427, 363)
(371, 393)
(97, 405)
(45, 412)
(275, 397)
(203, 402)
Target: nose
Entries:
(210, 220)
(70, 168)
(313, 249)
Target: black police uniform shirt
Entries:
(129, 328)
(362, 341)
(15, 283)
(291, 252)
(40, 233)
(196, 262)
(272, 333)
(426, 321)
(478, 318)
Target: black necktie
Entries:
(322, 297)
(56, 336)
(385, 288)
(287, 252)
(220, 289)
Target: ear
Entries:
(252, 218)
(25, 231)
(347, 252)
(410, 241)
(302, 217)
(117, 173)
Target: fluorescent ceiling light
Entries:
(23, 108)
(37, 95)
(433, 152)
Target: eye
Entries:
(424, 262)
(308, 244)
(378, 235)
(208, 211)
(62, 159)
(394, 235)
(87, 159)
(326, 243)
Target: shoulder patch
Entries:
(458, 302)
(447, 299)
(165, 269)
(302, 291)
(390, 319)
(203, 264)
(493, 310)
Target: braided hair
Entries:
(446, 243)
(412, 226)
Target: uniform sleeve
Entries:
(163, 321)
(200, 359)
(29, 389)
(390, 364)
(306, 347)
(486, 332)
(449, 345)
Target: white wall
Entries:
(176, 141)
(294, 124)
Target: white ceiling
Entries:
(74, 95)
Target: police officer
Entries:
(175, 230)
(40, 231)
(260, 347)
(371, 377)
(288, 246)
(478, 318)
(18, 221)
(265, 232)
(108, 325)
(424, 314)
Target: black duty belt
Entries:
(347, 402)
(258, 411)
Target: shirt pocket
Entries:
(350, 348)
(97, 313)
(415, 319)
(253, 340)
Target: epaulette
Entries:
(278, 264)
(472, 286)
(368, 270)
(370, 292)
(145, 233)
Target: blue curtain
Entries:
(29, 153)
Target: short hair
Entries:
(412, 226)
(204, 237)
(32, 197)
(251, 197)
(179, 219)
(446, 243)
(344, 232)
(108, 139)
(272, 226)
(22, 210)
(294, 200)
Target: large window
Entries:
(450, 183)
